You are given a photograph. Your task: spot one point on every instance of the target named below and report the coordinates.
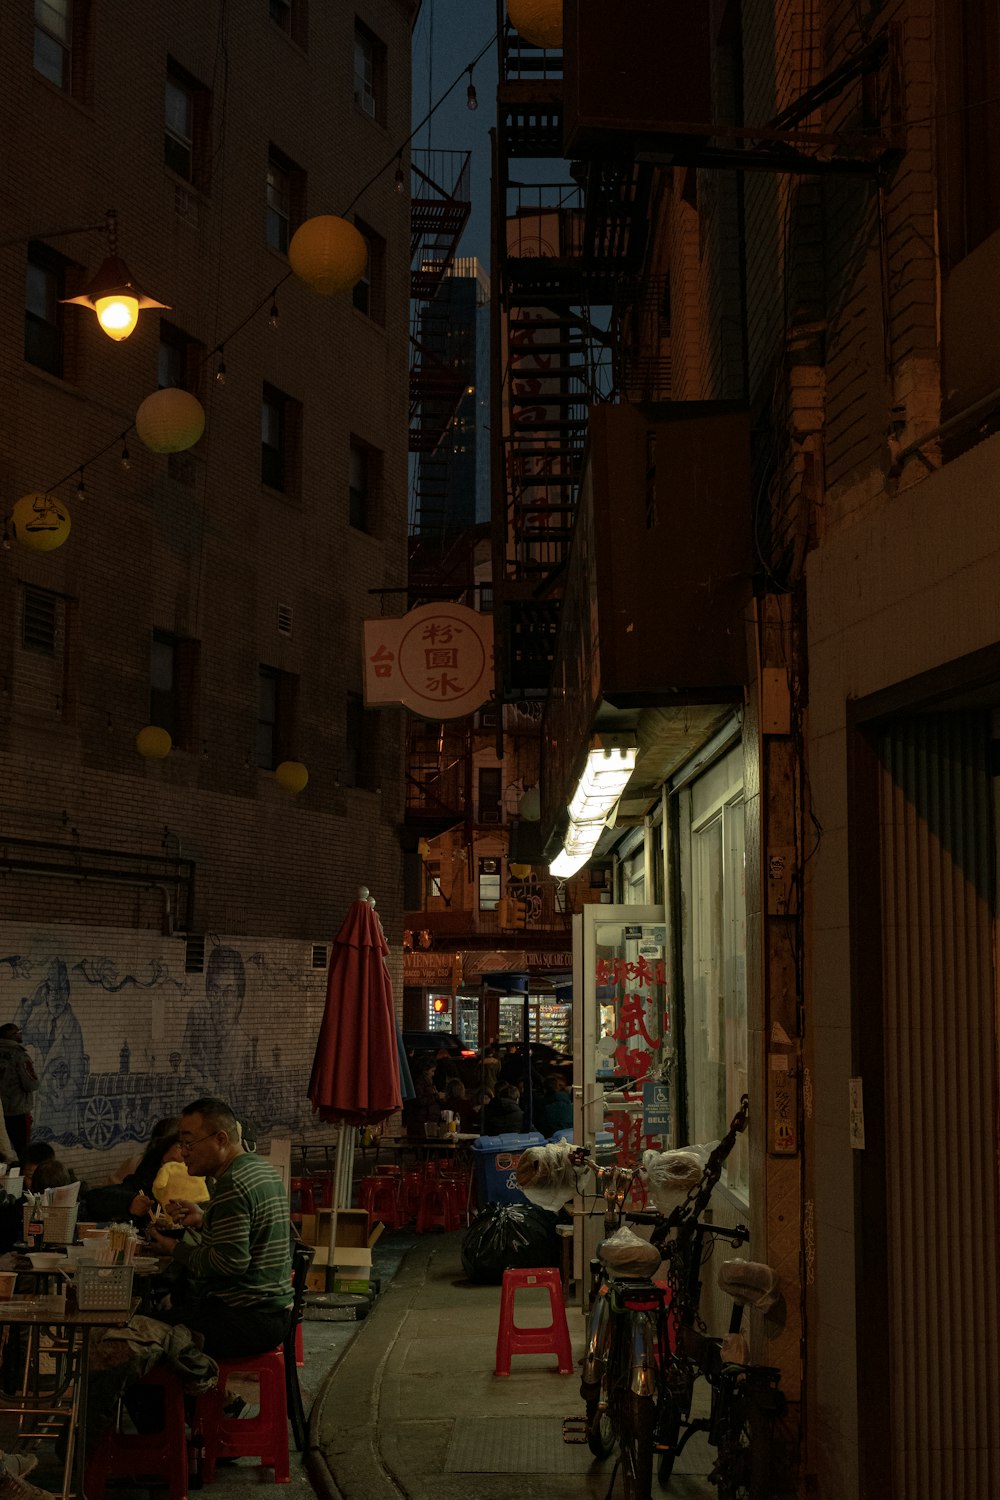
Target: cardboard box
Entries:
(352, 1252)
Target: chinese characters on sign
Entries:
(437, 660)
(635, 1023)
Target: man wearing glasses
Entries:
(237, 1289)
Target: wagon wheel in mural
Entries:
(98, 1123)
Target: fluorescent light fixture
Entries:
(610, 762)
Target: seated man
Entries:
(237, 1286)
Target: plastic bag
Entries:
(671, 1175)
(509, 1235)
(546, 1175)
(751, 1283)
(628, 1254)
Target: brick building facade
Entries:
(222, 588)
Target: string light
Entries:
(220, 373)
(81, 488)
(471, 100)
(272, 316)
(126, 458)
(400, 179)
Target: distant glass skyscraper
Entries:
(453, 480)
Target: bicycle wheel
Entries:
(639, 1422)
(600, 1427)
(744, 1436)
(670, 1417)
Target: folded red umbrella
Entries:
(355, 1073)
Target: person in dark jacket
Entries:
(18, 1083)
(503, 1113)
(556, 1106)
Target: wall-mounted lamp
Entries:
(610, 762)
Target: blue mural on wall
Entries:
(215, 1047)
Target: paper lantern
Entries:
(538, 21)
(519, 872)
(328, 254)
(41, 522)
(170, 420)
(153, 743)
(530, 806)
(292, 775)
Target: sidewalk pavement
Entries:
(414, 1409)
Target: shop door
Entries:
(926, 1210)
(622, 1036)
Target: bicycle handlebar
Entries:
(737, 1234)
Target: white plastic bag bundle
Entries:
(751, 1283)
(671, 1175)
(628, 1254)
(546, 1175)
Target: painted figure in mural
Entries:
(18, 1082)
(216, 1048)
(47, 1024)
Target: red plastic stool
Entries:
(413, 1182)
(436, 1209)
(552, 1339)
(380, 1196)
(264, 1436)
(304, 1188)
(121, 1455)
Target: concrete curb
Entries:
(342, 1454)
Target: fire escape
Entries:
(565, 251)
(439, 210)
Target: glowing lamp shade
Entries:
(292, 775)
(328, 254)
(538, 21)
(564, 865)
(117, 315)
(153, 743)
(520, 872)
(41, 523)
(170, 420)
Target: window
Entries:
(490, 794)
(363, 485)
(290, 15)
(172, 667)
(277, 694)
(45, 285)
(369, 292)
(360, 745)
(285, 199)
(39, 621)
(489, 884)
(279, 440)
(179, 358)
(715, 968)
(185, 126)
(369, 73)
(53, 55)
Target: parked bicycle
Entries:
(647, 1346)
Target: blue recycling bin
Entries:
(495, 1159)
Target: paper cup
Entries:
(8, 1280)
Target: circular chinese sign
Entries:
(445, 660)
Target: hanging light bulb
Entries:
(126, 457)
(400, 179)
(272, 316)
(81, 488)
(113, 293)
(220, 373)
(471, 100)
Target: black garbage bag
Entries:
(509, 1235)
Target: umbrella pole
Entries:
(343, 1174)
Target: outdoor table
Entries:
(64, 1392)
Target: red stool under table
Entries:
(553, 1338)
(264, 1436)
(121, 1455)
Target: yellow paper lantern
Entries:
(41, 522)
(328, 254)
(292, 775)
(153, 743)
(520, 872)
(170, 420)
(538, 21)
